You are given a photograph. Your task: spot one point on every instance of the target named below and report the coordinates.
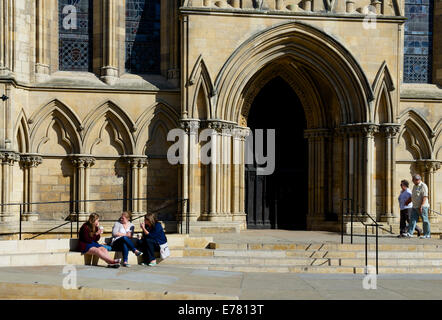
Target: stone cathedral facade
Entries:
(91, 89)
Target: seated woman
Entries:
(122, 234)
(89, 235)
(153, 237)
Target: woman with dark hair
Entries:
(122, 234)
(153, 237)
(89, 236)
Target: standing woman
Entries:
(153, 237)
(122, 234)
(90, 234)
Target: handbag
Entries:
(164, 251)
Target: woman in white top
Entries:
(404, 196)
(122, 234)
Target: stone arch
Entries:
(307, 47)
(417, 134)
(57, 116)
(22, 133)
(382, 87)
(201, 91)
(302, 85)
(438, 141)
(110, 121)
(160, 111)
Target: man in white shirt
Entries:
(419, 198)
(404, 196)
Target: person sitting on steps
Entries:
(153, 237)
(122, 234)
(89, 235)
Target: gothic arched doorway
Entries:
(279, 200)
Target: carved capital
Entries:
(241, 133)
(137, 162)
(390, 130)
(30, 160)
(9, 157)
(366, 130)
(190, 126)
(83, 161)
(317, 133)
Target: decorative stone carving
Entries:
(83, 161)
(30, 160)
(390, 130)
(190, 126)
(9, 157)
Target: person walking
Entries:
(122, 234)
(153, 237)
(421, 205)
(404, 196)
(89, 235)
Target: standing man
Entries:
(404, 196)
(419, 197)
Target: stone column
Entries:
(238, 174)
(81, 187)
(7, 160)
(389, 132)
(437, 43)
(318, 193)
(41, 41)
(135, 166)
(109, 33)
(7, 13)
(428, 169)
(191, 161)
(29, 162)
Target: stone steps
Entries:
(313, 269)
(301, 261)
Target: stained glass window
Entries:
(143, 36)
(418, 41)
(75, 35)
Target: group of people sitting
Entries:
(122, 235)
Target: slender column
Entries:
(227, 167)
(41, 47)
(318, 158)
(29, 162)
(7, 160)
(7, 12)
(428, 168)
(368, 132)
(109, 69)
(135, 164)
(191, 127)
(82, 165)
(389, 133)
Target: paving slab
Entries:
(167, 282)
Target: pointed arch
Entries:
(438, 141)
(21, 133)
(111, 118)
(382, 87)
(200, 84)
(55, 112)
(158, 111)
(306, 46)
(417, 134)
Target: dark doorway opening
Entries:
(280, 200)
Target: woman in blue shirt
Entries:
(153, 237)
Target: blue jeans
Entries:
(149, 246)
(124, 244)
(415, 217)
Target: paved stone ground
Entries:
(284, 236)
(181, 283)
